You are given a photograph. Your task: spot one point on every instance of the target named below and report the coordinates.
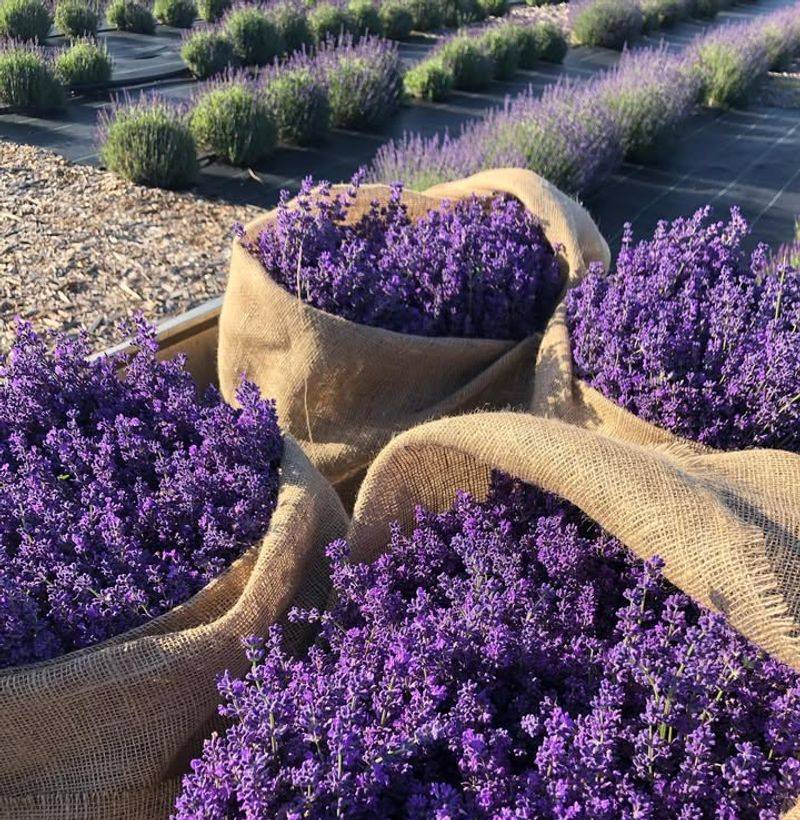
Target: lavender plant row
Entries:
(620, 23)
(240, 118)
(37, 78)
(120, 497)
(507, 659)
(577, 133)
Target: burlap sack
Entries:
(726, 524)
(342, 389)
(107, 732)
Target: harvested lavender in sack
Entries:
(508, 659)
(690, 334)
(473, 268)
(120, 496)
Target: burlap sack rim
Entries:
(678, 455)
(253, 228)
(157, 629)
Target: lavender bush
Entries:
(231, 119)
(646, 95)
(207, 51)
(297, 95)
(120, 497)
(473, 268)
(28, 79)
(605, 23)
(728, 61)
(508, 659)
(689, 334)
(364, 80)
(147, 140)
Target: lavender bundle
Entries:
(468, 269)
(508, 659)
(689, 334)
(120, 497)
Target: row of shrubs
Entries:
(33, 78)
(240, 119)
(256, 35)
(468, 62)
(297, 22)
(613, 23)
(33, 20)
(576, 134)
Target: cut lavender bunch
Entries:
(473, 268)
(689, 334)
(120, 496)
(507, 659)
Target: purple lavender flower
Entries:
(689, 334)
(647, 95)
(473, 268)
(120, 497)
(364, 80)
(508, 659)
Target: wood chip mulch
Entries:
(81, 249)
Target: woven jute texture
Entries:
(107, 731)
(343, 389)
(726, 524)
(760, 488)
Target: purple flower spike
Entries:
(474, 268)
(507, 660)
(689, 334)
(120, 497)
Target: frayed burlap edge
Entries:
(105, 732)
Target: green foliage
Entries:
(84, 63)
(212, 10)
(76, 18)
(299, 102)
(151, 145)
(456, 13)
(396, 19)
(501, 43)
(540, 41)
(726, 76)
(291, 22)
(175, 13)
(661, 13)
(364, 17)
(362, 95)
(466, 60)
(235, 123)
(253, 35)
(207, 52)
(428, 80)
(27, 81)
(129, 15)
(608, 23)
(494, 8)
(328, 20)
(427, 14)
(25, 20)
(542, 2)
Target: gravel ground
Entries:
(557, 13)
(80, 248)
